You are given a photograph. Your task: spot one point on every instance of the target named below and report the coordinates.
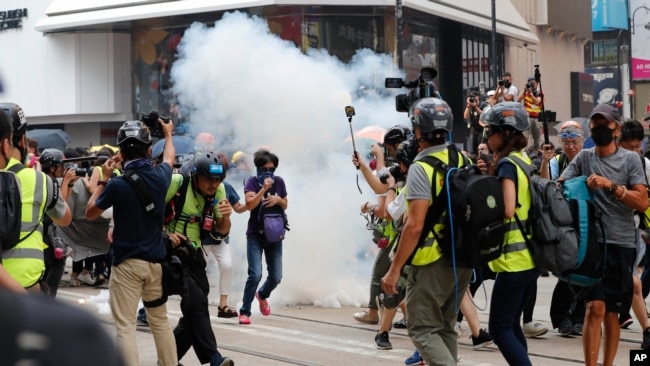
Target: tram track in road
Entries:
(289, 330)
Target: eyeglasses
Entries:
(570, 143)
(571, 135)
(270, 170)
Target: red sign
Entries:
(475, 64)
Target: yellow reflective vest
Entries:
(429, 251)
(515, 256)
(24, 262)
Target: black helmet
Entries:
(397, 134)
(406, 152)
(17, 116)
(134, 130)
(431, 114)
(51, 158)
(510, 114)
(209, 165)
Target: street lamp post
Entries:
(632, 96)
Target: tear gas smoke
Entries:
(250, 88)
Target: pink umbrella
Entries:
(375, 133)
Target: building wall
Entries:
(65, 78)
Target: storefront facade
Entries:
(87, 67)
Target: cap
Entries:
(609, 112)
(531, 78)
(491, 93)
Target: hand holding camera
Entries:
(159, 126)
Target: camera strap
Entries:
(144, 194)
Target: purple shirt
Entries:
(251, 185)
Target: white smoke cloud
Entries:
(239, 76)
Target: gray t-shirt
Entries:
(417, 181)
(624, 168)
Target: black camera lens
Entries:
(472, 100)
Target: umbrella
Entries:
(183, 144)
(374, 133)
(96, 148)
(50, 138)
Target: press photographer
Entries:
(506, 91)
(531, 97)
(473, 110)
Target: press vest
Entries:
(190, 220)
(429, 251)
(515, 256)
(25, 262)
(530, 106)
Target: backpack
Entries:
(563, 223)
(11, 207)
(473, 202)
(273, 223)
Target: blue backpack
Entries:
(563, 222)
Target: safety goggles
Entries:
(264, 170)
(572, 135)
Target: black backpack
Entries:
(470, 205)
(11, 207)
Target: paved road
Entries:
(311, 335)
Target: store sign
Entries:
(12, 19)
(608, 15)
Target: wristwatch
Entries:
(613, 188)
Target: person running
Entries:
(264, 190)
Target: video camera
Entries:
(422, 87)
(151, 120)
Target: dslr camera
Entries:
(79, 172)
(151, 120)
(393, 170)
(422, 87)
(472, 100)
(501, 82)
(529, 86)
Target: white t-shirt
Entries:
(398, 206)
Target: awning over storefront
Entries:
(115, 15)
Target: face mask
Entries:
(507, 84)
(602, 135)
(263, 173)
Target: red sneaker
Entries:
(243, 319)
(265, 307)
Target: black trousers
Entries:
(563, 298)
(194, 328)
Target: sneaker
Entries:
(265, 307)
(243, 319)
(414, 360)
(100, 280)
(218, 360)
(74, 282)
(534, 330)
(381, 339)
(86, 278)
(626, 323)
(482, 340)
(458, 329)
(646, 339)
(141, 319)
(577, 329)
(365, 317)
(565, 328)
(400, 324)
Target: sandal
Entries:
(226, 312)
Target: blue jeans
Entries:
(255, 246)
(509, 295)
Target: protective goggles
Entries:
(264, 170)
(571, 135)
(491, 130)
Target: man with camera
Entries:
(472, 113)
(532, 99)
(138, 249)
(204, 218)
(506, 91)
(40, 195)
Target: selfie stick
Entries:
(349, 112)
(538, 78)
